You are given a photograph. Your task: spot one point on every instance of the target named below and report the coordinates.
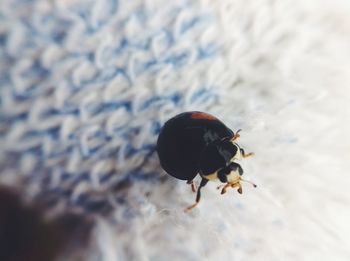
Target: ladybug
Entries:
(195, 142)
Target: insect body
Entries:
(194, 143)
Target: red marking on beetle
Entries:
(202, 116)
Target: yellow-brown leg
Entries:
(236, 136)
(237, 185)
(248, 155)
(192, 206)
(223, 191)
(193, 186)
(198, 197)
(232, 185)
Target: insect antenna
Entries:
(253, 184)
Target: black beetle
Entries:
(196, 142)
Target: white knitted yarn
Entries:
(86, 85)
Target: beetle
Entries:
(195, 142)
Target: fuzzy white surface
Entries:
(282, 76)
(287, 73)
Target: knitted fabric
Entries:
(87, 85)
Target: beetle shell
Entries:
(184, 137)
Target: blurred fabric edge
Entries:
(27, 233)
(86, 85)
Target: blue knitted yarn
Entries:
(86, 86)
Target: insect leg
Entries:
(236, 136)
(246, 155)
(223, 191)
(193, 186)
(198, 197)
(237, 185)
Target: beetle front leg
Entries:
(236, 136)
(224, 189)
(246, 155)
(237, 185)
